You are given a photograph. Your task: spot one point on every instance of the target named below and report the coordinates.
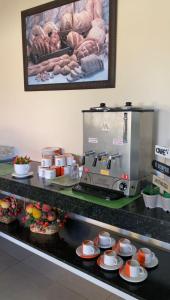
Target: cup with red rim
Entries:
(104, 239)
(110, 258)
(132, 269)
(88, 247)
(124, 246)
(145, 256)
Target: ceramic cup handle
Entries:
(110, 240)
(115, 262)
(141, 270)
(129, 248)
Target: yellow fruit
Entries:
(36, 213)
(5, 204)
(29, 209)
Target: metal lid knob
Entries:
(102, 104)
(128, 104)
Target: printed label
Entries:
(105, 172)
(161, 183)
(118, 141)
(163, 168)
(162, 151)
(92, 140)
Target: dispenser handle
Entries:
(125, 128)
(95, 161)
(109, 163)
(83, 160)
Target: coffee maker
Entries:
(118, 148)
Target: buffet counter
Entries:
(134, 217)
(85, 222)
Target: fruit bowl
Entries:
(42, 218)
(9, 210)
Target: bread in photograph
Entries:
(66, 22)
(82, 21)
(97, 34)
(74, 39)
(86, 48)
(98, 22)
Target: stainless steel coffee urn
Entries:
(118, 148)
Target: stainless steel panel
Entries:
(124, 136)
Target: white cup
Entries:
(88, 247)
(145, 256)
(110, 258)
(132, 268)
(104, 238)
(124, 246)
(46, 162)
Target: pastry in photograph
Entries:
(74, 39)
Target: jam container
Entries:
(69, 159)
(60, 161)
(57, 170)
(41, 171)
(51, 151)
(46, 162)
(50, 174)
(65, 170)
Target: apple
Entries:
(46, 208)
(29, 208)
(5, 204)
(51, 216)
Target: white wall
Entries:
(32, 120)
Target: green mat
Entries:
(92, 199)
(6, 169)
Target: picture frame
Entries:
(69, 44)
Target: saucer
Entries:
(100, 262)
(152, 264)
(22, 176)
(113, 242)
(127, 254)
(79, 252)
(137, 279)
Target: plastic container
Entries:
(151, 196)
(166, 202)
(74, 170)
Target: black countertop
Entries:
(62, 246)
(134, 217)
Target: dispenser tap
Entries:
(95, 161)
(83, 160)
(88, 153)
(112, 157)
(102, 154)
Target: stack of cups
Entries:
(63, 163)
(54, 163)
(47, 170)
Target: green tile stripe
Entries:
(6, 169)
(92, 199)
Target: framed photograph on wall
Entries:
(70, 44)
